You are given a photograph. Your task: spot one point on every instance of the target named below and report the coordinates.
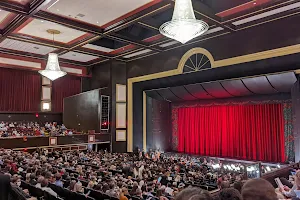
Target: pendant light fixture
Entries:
(184, 25)
(52, 70)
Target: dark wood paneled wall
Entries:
(108, 75)
(81, 112)
(257, 39)
(118, 76)
(159, 126)
(31, 117)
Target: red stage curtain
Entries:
(20, 91)
(62, 88)
(249, 132)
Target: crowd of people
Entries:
(124, 176)
(15, 129)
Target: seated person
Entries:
(290, 192)
(44, 185)
(63, 127)
(2, 124)
(230, 194)
(11, 125)
(193, 193)
(258, 189)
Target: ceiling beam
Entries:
(158, 8)
(37, 6)
(35, 10)
(150, 23)
(209, 16)
(17, 21)
(14, 8)
(257, 10)
(128, 39)
(37, 41)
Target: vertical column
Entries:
(46, 95)
(295, 93)
(118, 106)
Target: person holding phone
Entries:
(287, 192)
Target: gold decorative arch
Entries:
(191, 52)
(283, 51)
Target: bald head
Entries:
(258, 189)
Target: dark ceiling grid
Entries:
(255, 11)
(146, 19)
(24, 13)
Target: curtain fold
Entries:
(62, 88)
(249, 132)
(20, 91)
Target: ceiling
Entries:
(268, 84)
(94, 31)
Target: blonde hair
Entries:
(78, 187)
(297, 179)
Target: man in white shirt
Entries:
(2, 124)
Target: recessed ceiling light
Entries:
(97, 22)
(57, 10)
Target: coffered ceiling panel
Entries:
(3, 15)
(5, 18)
(26, 47)
(267, 14)
(78, 57)
(38, 28)
(98, 48)
(97, 12)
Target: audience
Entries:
(152, 176)
(14, 129)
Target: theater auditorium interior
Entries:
(149, 99)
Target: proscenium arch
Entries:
(191, 52)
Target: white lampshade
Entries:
(52, 70)
(184, 25)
